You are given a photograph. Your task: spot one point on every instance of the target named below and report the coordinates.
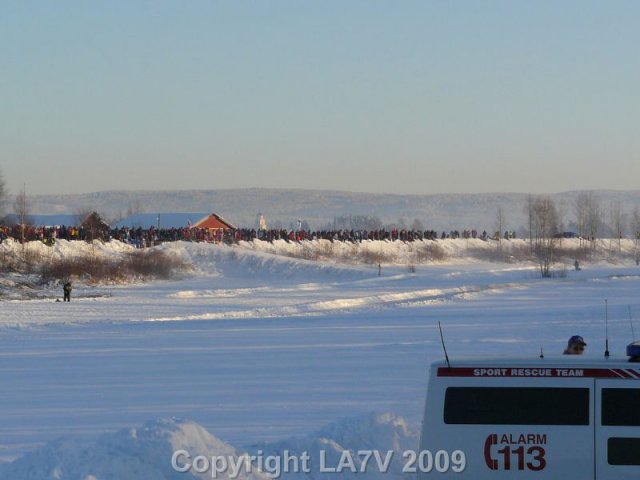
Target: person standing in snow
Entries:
(66, 288)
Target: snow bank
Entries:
(299, 258)
(63, 249)
(146, 452)
(381, 432)
(242, 261)
(131, 454)
(442, 251)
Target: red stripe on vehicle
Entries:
(536, 372)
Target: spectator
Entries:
(575, 346)
(67, 291)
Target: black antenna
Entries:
(541, 352)
(633, 334)
(606, 328)
(446, 357)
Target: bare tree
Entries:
(546, 224)
(95, 228)
(21, 210)
(581, 206)
(635, 222)
(92, 226)
(529, 212)
(2, 196)
(588, 217)
(635, 231)
(617, 221)
(500, 222)
(594, 218)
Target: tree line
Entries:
(591, 219)
(546, 229)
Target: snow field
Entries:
(256, 348)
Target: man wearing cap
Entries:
(575, 346)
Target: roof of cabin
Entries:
(213, 221)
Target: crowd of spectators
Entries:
(153, 236)
(404, 235)
(47, 235)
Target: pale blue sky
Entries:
(380, 96)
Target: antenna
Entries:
(541, 352)
(633, 334)
(606, 328)
(446, 357)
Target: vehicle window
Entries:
(623, 451)
(516, 406)
(620, 407)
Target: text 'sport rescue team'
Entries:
(528, 372)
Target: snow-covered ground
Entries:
(260, 350)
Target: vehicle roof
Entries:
(564, 366)
(564, 361)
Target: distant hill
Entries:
(320, 208)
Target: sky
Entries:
(415, 97)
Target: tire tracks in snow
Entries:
(404, 299)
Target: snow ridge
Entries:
(146, 452)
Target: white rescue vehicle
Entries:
(562, 418)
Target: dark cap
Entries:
(577, 340)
